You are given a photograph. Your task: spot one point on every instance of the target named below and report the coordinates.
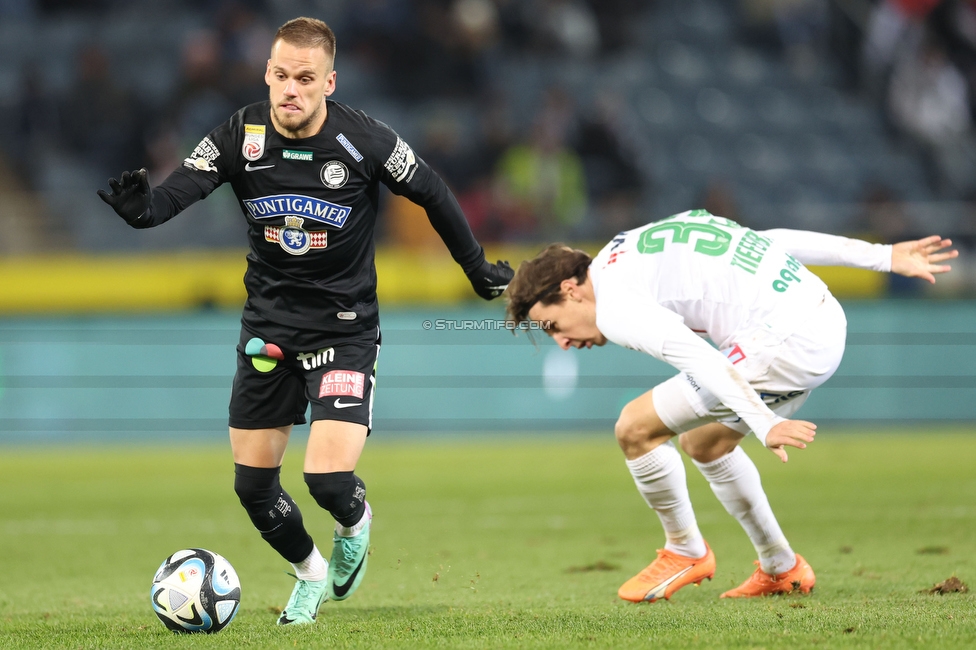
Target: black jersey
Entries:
(311, 208)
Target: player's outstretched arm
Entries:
(428, 190)
(920, 258)
(131, 195)
(790, 433)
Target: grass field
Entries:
(489, 543)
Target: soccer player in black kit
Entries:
(306, 171)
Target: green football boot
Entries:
(303, 606)
(348, 564)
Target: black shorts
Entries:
(280, 371)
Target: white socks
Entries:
(660, 478)
(313, 568)
(352, 531)
(735, 481)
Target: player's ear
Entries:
(569, 288)
(267, 73)
(330, 83)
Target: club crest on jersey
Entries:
(308, 207)
(253, 147)
(334, 174)
(293, 239)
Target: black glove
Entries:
(131, 195)
(490, 280)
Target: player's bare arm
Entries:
(921, 258)
(790, 433)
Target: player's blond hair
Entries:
(307, 32)
(537, 280)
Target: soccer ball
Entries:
(195, 590)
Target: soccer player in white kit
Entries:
(777, 332)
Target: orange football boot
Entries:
(800, 578)
(667, 574)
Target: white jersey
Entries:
(665, 287)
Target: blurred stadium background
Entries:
(551, 120)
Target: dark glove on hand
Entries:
(131, 195)
(490, 280)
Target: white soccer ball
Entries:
(195, 590)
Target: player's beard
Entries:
(296, 128)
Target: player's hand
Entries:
(131, 195)
(490, 280)
(920, 258)
(792, 433)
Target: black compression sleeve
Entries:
(172, 196)
(448, 220)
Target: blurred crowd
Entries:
(569, 167)
(518, 177)
(919, 62)
(916, 59)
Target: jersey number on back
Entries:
(712, 240)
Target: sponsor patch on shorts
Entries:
(343, 382)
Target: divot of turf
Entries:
(933, 550)
(950, 585)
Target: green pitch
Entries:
(490, 543)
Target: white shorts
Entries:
(782, 373)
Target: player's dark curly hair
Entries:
(306, 33)
(538, 280)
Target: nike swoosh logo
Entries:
(195, 619)
(250, 168)
(342, 405)
(284, 620)
(658, 591)
(340, 590)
